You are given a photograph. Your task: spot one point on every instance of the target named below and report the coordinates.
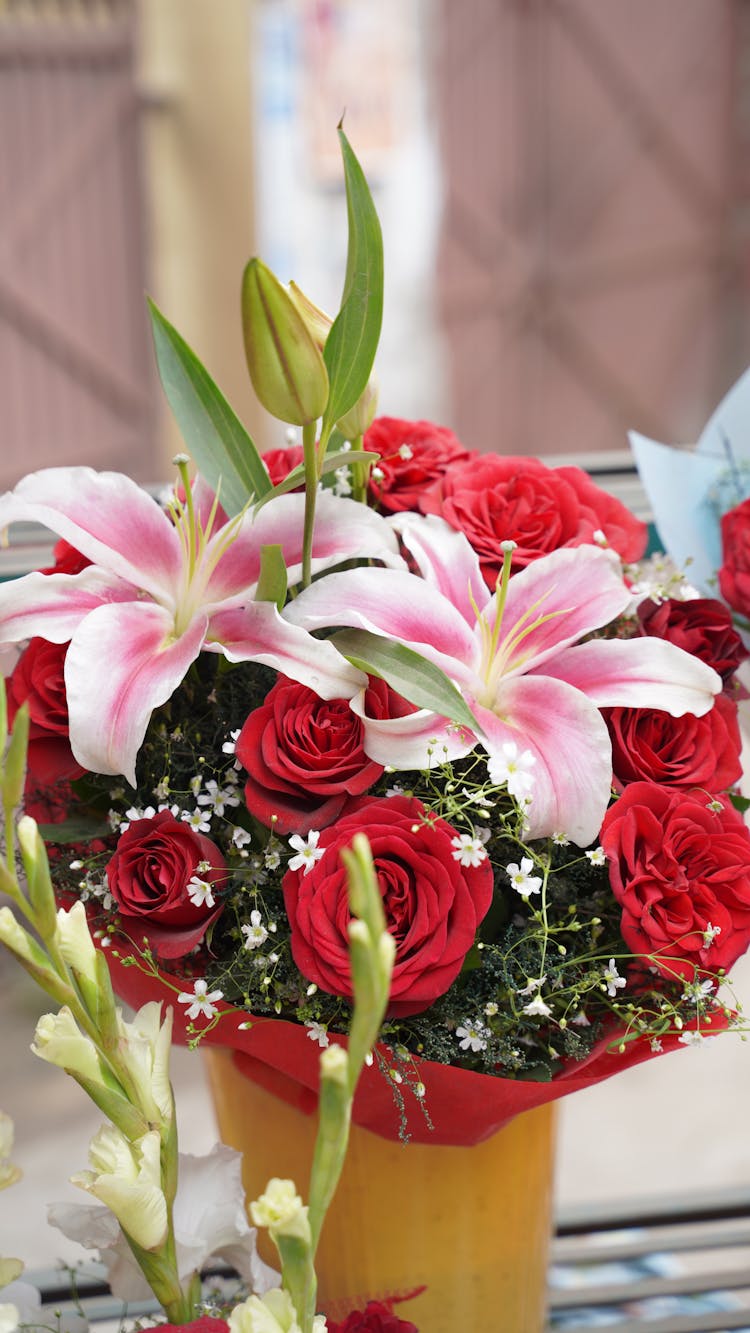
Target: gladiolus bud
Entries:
(281, 1209)
(272, 1313)
(36, 866)
(285, 363)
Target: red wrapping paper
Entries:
(464, 1107)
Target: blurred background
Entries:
(564, 187)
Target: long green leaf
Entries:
(352, 342)
(420, 681)
(331, 462)
(214, 435)
(273, 581)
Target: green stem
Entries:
(311, 496)
(360, 474)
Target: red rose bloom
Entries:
(734, 575)
(280, 462)
(375, 1318)
(403, 477)
(650, 745)
(38, 679)
(433, 905)
(678, 867)
(149, 877)
(67, 560)
(304, 755)
(702, 626)
(492, 499)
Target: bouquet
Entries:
(374, 630)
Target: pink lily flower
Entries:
(160, 589)
(517, 659)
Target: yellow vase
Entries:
(469, 1225)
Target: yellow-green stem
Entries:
(311, 496)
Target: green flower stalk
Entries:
(294, 1228)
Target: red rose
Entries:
(38, 679)
(206, 1324)
(702, 626)
(734, 575)
(677, 866)
(433, 904)
(280, 462)
(492, 499)
(375, 1318)
(688, 751)
(413, 455)
(67, 560)
(304, 755)
(149, 878)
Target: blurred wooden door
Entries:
(75, 378)
(593, 271)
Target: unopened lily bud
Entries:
(281, 1210)
(360, 417)
(126, 1177)
(286, 365)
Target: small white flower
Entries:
(198, 820)
(405, 452)
(560, 840)
(596, 856)
(656, 1045)
(710, 933)
(377, 473)
(580, 1020)
(395, 790)
(533, 984)
(468, 849)
(161, 791)
(511, 766)
(133, 814)
(308, 852)
(229, 746)
(697, 990)
(612, 979)
(272, 856)
(693, 1038)
(491, 1009)
(196, 782)
(471, 1037)
(521, 879)
(342, 486)
(537, 1007)
(217, 797)
(202, 1002)
(200, 892)
(255, 933)
(240, 836)
(599, 537)
(715, 805)
(317, 1033)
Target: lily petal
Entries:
(107, 517)
(637, 673)
(125, 658)
(576, 590)
(53, 605)
(404, 742)
(568, 737)
(445, 559)
(396, 605)
(344, 530)
(258, 633)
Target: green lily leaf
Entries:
(352, 342)
(331, 462)
(408, 672)
(273, 581)
(223, 451)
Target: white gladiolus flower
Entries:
(74, 939)
(272, 1313)
(209, 1220)
(281, 1209)
(59, 1041)
(126, 1177)
(145, 1044)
